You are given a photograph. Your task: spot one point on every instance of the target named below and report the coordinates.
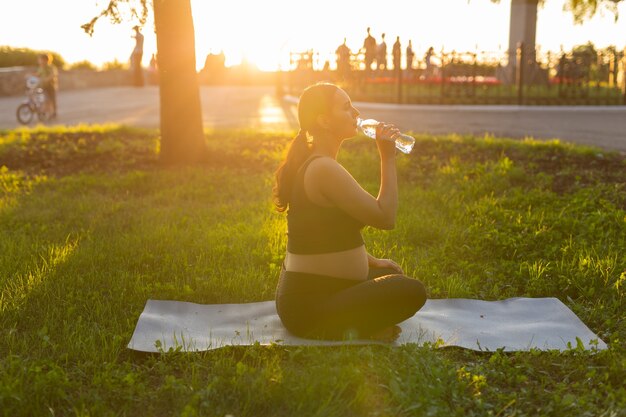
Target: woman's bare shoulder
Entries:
(325, 166)
(326, 173)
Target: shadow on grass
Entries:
(108, 149)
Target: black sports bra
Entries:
(314, 229)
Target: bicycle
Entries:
(36, 103)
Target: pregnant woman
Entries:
(330, 287)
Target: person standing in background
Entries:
(381, 59)
(369, 47)
(409, 58)
(428, 62)
(153, 76)
(136, 57)
(343, 60)
(396, 52)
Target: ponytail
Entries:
(314, 101)
(299, 151)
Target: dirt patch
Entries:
(61, 153)
(569, 168)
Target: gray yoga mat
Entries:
(515, 324)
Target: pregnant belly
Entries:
(349, 264)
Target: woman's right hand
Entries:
(385, 139)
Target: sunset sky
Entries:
(263, 32)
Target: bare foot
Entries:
(389, 334)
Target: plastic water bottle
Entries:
(404, 142)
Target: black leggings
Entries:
(323, 307)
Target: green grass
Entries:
(488, 94)
(91, 228)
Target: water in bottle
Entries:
(404, 142)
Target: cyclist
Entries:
(49, 81)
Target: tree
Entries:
(182, 138)
(523, 26)
(83, 65)
(18, 57)
(585, 9)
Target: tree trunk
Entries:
(182, 137)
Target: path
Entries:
(259, 108)
(254, 107)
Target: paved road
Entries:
(255, 107)
(259, 108)
(603, 127)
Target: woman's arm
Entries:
(373, 262)
(388, 192)
(328, 183)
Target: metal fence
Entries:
(524, 77)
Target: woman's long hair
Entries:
(314, 101)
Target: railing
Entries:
(523, 77)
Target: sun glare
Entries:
(271, 113)
(263, 33)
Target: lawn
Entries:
(467, 93)
(92, 227)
